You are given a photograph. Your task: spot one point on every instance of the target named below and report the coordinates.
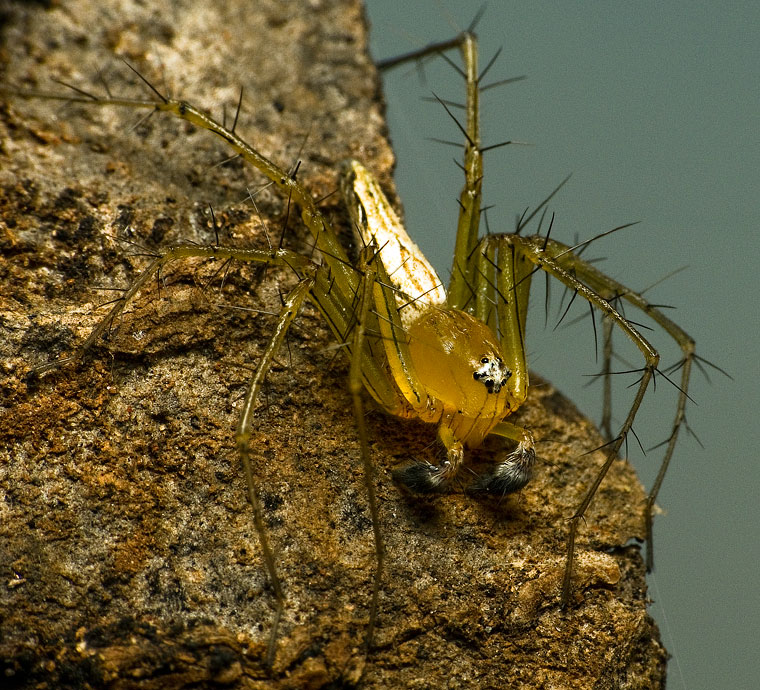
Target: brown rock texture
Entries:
(127, 549)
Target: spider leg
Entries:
(491, 280)
(470, 197)
(606, 424)
(335, 287)
(499, 280)
(324, 238)
(412, 397)
(468, 224)
(355, 387)
(612, 289)
(580, 276)
(418, 477)
(293, 303)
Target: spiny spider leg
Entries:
(587, 281)
(611, 289)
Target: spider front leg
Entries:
(598, 289)
(612, 290)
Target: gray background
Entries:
(655, 109)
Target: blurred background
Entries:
(655, 110)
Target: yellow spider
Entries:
(451, 357)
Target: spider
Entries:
(454, 358)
